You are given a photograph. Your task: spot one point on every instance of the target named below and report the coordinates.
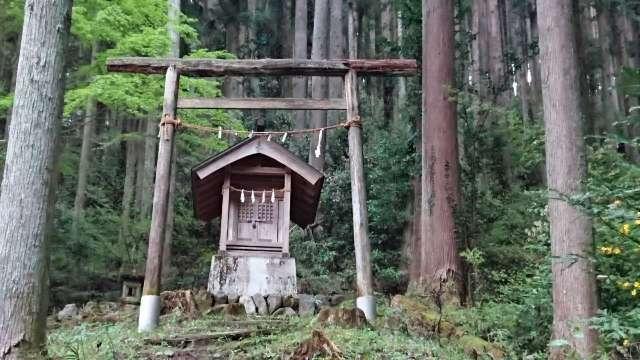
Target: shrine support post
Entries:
(150, 303)
(364, 278)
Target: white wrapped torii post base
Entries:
(173, 68)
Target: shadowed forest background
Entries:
(109, 139)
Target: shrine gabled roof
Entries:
(207, 178)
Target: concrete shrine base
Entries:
(249, 275)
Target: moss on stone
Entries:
(424, 320)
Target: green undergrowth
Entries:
(121, 340)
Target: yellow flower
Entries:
(617, 202)
(625, 229)
(605, 250)
(637, 221)
(626, 285)
(616, 251)
(626, 343)
(636, 284)
(634, 292)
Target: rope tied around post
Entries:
(356, 121)
(168, 119)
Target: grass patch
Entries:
(121, 340)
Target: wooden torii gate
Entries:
(174, 68)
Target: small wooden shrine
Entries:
(258, 188)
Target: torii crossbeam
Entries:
(173, 68)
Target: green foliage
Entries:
(107, 247)
(6, 101)
(613, 199)
(619, 332)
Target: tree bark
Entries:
(236, 38)
(609, 67)
(319, 85)
(520, 45)
(480, 46)
(626, 37)
(413, 240)
(131, 159)
(337, 50)
(574, 286)
(401, 88)
(591, 74)
(27, 191)
(286, 40)
(389, 94)
(534, 63)
(252, 8)
(441, 266)
(497, 69)
(299, 84)
(88, 131)
(150, 143)
(139, 193)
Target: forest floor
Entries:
(253, 337)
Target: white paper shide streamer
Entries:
(253, 197)
(319, 143)
(273, 195)
(242, 195)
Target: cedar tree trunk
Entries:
(574, 286)
(26, 191)
(440, 267)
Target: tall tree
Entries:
(129, 128)
(440, 267)
(534, 62)
(147, 164)
(286, 41)
(337, 50)
(88, 127)
(299, 83)
(610, 96)
(26, 192)
(574, 287)
(235, 38)
(319, 84)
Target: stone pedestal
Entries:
(237, 275)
